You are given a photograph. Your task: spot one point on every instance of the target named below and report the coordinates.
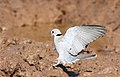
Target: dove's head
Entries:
(56, 32)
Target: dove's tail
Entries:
(86, 56)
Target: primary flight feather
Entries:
(74, 41)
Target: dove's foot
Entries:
(55, 65)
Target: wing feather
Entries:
(76, 38)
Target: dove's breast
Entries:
(64, 56)
(62, 49)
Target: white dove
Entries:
(74, 41)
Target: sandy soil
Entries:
(26, 49)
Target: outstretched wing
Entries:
(76, 38)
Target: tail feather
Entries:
(86, 56)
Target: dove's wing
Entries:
(76, 38)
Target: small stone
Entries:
(87, 74)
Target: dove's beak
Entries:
(50, 35)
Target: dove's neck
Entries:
(57, 39)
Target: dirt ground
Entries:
(26, 49)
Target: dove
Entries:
(76, 39)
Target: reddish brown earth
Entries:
(26, 49)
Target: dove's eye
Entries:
(52, 32)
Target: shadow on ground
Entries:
(69, 73)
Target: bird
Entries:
(70, 45)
